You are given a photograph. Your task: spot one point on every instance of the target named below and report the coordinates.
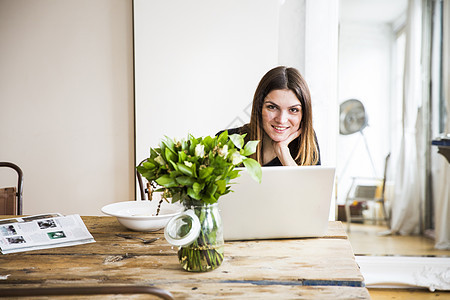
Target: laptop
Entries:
(290, 202)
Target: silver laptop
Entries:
(290, 202)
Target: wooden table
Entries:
(282, 269)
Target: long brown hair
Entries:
(284, 78)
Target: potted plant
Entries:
(197, 172)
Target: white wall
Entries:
(66, 102)
(364, 74)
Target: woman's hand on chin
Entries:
(282, 150)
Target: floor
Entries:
(373, 240)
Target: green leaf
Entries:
(150, 176)
(211, 190)
(141, 169)
(175, 174)
(184, 145)
(237, 140)
(185, 180)
(176, 197)
(191, 137)
(171, 156)
(221, 186)
(209, 143)
(174, 165)
(182, 156)
(198, 187)
(169, 143)
(166, 181)
(233, 174)
(162, 150)
(153, 153)
(160, 160)
(223, 137)
(194, 170)
(253, 168)
(185, 169)
(193, 144)
(148, 165)
(193, 194)
(250, 148)
(205, 172)
(227, 190)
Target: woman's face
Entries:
(281, 114)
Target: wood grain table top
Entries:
(318, 268)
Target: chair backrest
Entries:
(365, 191)
(18, 191)
(8, 201)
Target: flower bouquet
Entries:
(197, 172)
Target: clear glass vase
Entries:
(205, 253)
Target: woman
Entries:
(282, 120)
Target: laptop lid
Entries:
(290, 202)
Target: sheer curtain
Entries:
(442, 184)
(406, 208)
(411, 173)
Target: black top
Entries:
(293, 148)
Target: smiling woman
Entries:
(282, 120)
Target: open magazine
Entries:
(42, 232)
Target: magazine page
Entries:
(42, 232)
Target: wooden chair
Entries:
(11, 197)
(77, 291)
(367, 189)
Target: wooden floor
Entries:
(372, 240)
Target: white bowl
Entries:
(141, 215)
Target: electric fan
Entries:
(352, 117)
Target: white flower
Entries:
(223, 151)
(160, 160)
(236, 158)
(188, 163)
(200, 150)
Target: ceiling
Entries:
(371, 11)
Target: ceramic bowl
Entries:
(141, 215)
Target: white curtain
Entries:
(407, 204)
(442, 184)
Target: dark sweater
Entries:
(293, 148)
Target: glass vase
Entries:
(206, 252)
